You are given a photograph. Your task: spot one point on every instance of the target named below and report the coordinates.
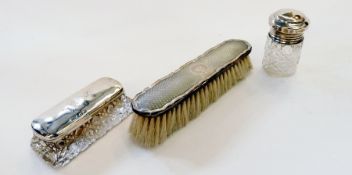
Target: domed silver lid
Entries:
(288, 26)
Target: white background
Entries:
(298, 125)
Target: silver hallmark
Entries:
(67, 129)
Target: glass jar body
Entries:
(281, 59)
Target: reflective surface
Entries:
(284, 42)
(59, 154)
(287, 26)
(177, 85)
(76, 110)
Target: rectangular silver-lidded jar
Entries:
(70, 127)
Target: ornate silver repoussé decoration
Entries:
(69, 128)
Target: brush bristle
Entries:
(152, 131)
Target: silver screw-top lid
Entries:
(288, 26)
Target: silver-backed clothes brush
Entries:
(174, 100)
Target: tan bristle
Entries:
(152, 131)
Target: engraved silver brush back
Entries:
(174, 87)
